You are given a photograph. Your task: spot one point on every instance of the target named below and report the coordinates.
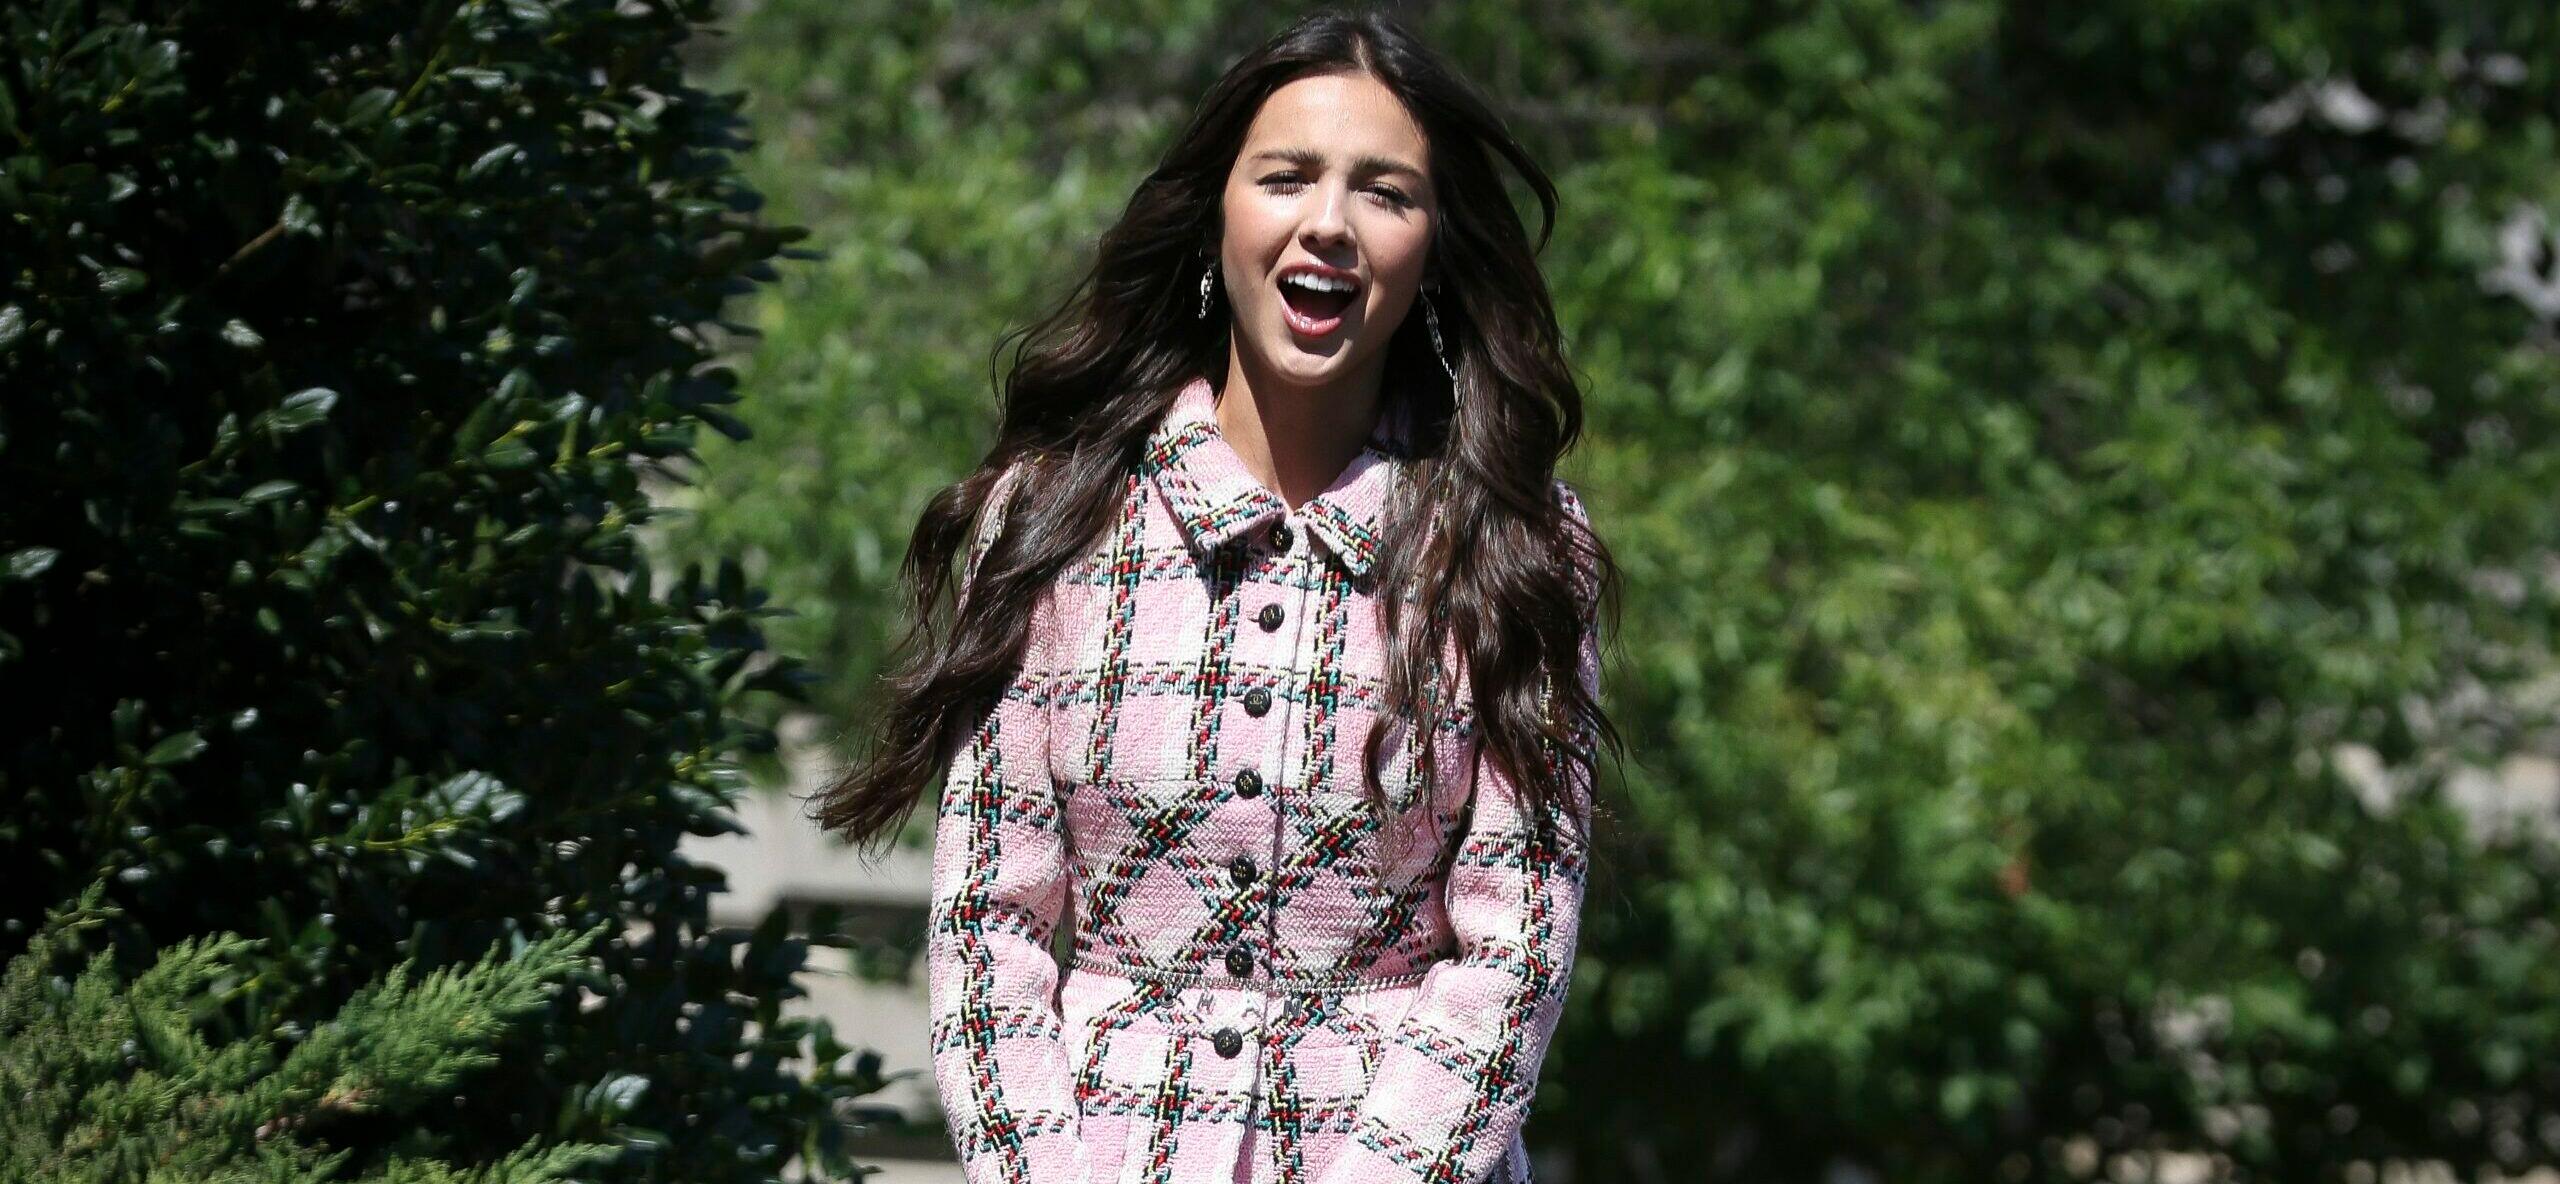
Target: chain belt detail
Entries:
(1281, 983)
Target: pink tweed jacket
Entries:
(1271, 982)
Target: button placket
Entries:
(1280, 645)
(1292, 636)
(1275, 749)
(1284, 620)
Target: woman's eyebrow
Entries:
(1309, 157)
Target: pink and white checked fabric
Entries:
(1272, 982)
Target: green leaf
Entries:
(370, 106)
(300, 216)
(300, 410)
(488, 162)
(480, 795)
(509, 454)
(26, 563)
(175, 749)
(619, 1094)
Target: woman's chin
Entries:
(1303, 366)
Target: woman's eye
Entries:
(1392, 195)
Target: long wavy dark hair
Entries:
(1501, 582)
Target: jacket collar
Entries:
(1216, 500)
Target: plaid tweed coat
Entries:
(1272, 982)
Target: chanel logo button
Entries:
(1280, 537)
(1248, 783)
(1240, 962)
(1229, 1042)
(1242, 870)
(1257, 701)
(1269, 617)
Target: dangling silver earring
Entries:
(1431, 315)
(1208, 277)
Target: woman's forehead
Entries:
(1346, 120)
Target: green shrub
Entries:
(110, 1080)
(338, 341)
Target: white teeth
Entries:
(1317, 283)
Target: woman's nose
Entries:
(1325, 223)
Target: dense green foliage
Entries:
(337, 342)
(110, 1079)
(2044, 440)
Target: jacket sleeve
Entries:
(999, 889)
(1455, 1078)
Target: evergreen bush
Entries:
(111, 1080)
(338, 342)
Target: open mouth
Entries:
(1313, 305)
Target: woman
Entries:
(1275, 658)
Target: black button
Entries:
(1229, 1042)
(1257, 701)
(1280, 536)
(1243, 870)
(1268, 618)
(1248, 783)
(1240, 962)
